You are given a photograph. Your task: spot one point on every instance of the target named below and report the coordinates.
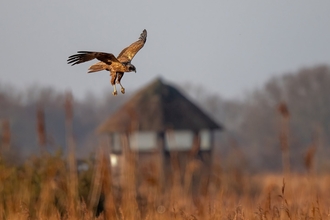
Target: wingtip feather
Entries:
(143, 35)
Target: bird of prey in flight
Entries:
(116, 66)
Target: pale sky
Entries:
(229, 47)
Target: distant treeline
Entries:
(253, 125)
(19, 109)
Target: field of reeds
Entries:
(45, 188)
(57, 186)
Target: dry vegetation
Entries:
(42, 189)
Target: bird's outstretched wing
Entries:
(84, 56)
(127, 54)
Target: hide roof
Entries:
(158, 107)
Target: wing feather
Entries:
(84, 56)
(127, 54)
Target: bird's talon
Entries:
(122, 90)
(114, 93)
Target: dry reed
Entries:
(6, 135)
(71, 159)
(284, 136)
(41, 128)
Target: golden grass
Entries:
(39, 189)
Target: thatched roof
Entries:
(158, 107)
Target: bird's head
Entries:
(131, 68)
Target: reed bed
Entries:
(39, 189)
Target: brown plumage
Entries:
(116, 65)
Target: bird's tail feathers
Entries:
(97, 67)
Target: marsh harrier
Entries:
(116, 66)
